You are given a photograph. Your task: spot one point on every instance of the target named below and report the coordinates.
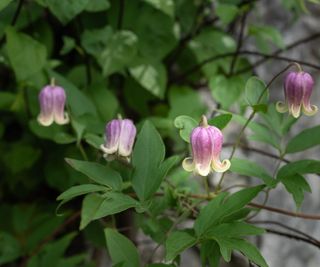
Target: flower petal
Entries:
(126, 139)
(219, 166)
(188, 164)
(309, 110)
(295, 110)
(281, 107)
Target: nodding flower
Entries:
(52, 101)
(298, 88)
(206, 143)
(119, 138)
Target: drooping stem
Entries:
(236, 144)
(206, 185)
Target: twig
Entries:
(288, 228)
(239, 43)
(279, 51)
(292, 236)
(120, 15)
(260, 151)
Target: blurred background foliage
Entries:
(141, 58)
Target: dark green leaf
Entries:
(119, 53)
(90, 204)
(66, 10)
(296, 185)
(177, 242)
(148, 156)
(100, 174)
(300, 167)
(23, 52)
(210, 252)
(251, 169)
(9, 248)
(227, 12)
(151, 76)
(220, 121)
(121, 249)
(79, 190)
(97, 5)
(306, 139)
(166, 6)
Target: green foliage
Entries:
(163, 64)
(121, 249)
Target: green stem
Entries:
(206, 185)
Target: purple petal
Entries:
(46, 115)
(112, 135)
(127, 136)
(59, 100)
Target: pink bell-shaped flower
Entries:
(119, 138)
(52, 101)
(298, 88)
(206, 143)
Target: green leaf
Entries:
(114, 203)
(54, 132)
(234, 229)
(249, 250)
(166, 6)
(306, 139)
(100, 174)
(226, 12)
(97, 5)
(119, 53)
(4, 4)
(266, 34)
(254, 90)
(23, 52)
(155, 31)
(90, 205)
(152, 77)
(65, 11)
(220, 121)
(9, 248)
(226, 91)
(300, 167)
(210, 252)
(185, 124)
(121, 249)
(79, 190)
(147, 159)
(177, 242)
(181, 97)
(216, 209)
(251, 169)
(296, 185)
(6, 100)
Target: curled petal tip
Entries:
(310, 111)
(188, 164)
(295, 111)
(45, 120)
(281, 107)
(61, 120)
(219, 166)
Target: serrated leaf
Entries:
(121, 249)
(100, 174)
(177, 242)
(306, 139)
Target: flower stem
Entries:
(236, 144)
(206, 185)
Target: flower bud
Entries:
(206, 143)
(119, 138)
(52, 102)
(298, 88)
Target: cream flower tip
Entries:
(281, 107)
(221, 166)
(188, 165)
(312, 110)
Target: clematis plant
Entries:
(298, 88)
(52, 101)
(206, 143)
(119, 139)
